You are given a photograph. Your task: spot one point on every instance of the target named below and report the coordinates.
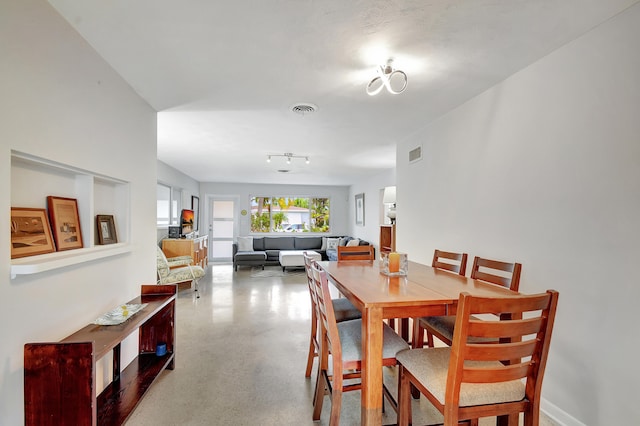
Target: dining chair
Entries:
(177, 270)
(343, 340)
(492, 271)
(470, 380)
(356, 253)
(344, 311)
(452, 262)
(448, 261)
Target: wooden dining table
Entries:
(424, 291)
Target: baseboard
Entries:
(558, 416)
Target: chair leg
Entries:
(418, 334)
(336, 406)
(312, 343)
(429, 339)
(195, 288)
(336, 399)
(318, 400)
(322, 379)
(404, 399)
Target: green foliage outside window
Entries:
(290, 214)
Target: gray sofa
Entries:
(266, 250)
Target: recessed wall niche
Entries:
(34, 178)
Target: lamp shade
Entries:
(389, 196)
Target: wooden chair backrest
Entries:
(312, 291)
(524, 340)
(326, 314)
(355, 253)
(483, 269)
(162, 264)
(453, 262)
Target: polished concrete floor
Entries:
(240, 357)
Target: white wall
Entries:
(177, 179)
(544, 169)
(61, 101)
(372, 188)
(242, 193)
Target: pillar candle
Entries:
(394, 262)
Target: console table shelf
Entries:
(387, 238)
(59, 382)
(118, 400)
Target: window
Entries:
(289, 214)
(168, 205)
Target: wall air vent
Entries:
(415, 154)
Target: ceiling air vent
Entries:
(304, 108)
(415, 154)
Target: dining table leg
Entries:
(371, 394)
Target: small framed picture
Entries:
(30, 232)
(360, 209)
(65, 222)
(106, 229)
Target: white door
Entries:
(221, 229)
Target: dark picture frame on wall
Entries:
(106, 226)
(30, 232)
(65, 222)
(360, 209)
(195, 206)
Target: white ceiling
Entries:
(224, 74)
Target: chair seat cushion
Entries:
(430, 366)
(345, 310)
(184, 273)
(445, 325)
(351, 340)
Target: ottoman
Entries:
(250, 258)
(295, 258)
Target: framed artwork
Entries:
(30, 232)
(195, 206)
(65, 222)
(360, 209)
(106, 229)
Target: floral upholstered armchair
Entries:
(177, 270)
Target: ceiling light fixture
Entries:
(385, 74)
(289, 156)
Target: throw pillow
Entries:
(353, 243)
(332, 243)
(245, 243)
(344, 241)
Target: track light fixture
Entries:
(385, 75)
(288, 156)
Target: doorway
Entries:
(221, 228)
